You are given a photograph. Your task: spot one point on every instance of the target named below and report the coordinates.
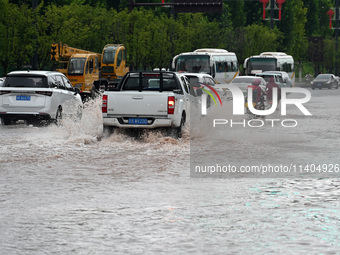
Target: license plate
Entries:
(319, 85)
(138, 121)
(23, 98)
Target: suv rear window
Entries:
(26, 82)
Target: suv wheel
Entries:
(5, 121)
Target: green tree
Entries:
(259, 38)
(16, 38)
(293, 27)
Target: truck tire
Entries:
(176, 132)
(108, 130)
(5, 121)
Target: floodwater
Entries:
(67, 190)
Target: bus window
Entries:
(220, 68)
(287, 67)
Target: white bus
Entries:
(270, 61)
(220, 64)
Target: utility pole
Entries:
(272, 4)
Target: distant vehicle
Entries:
(196, 81)
(221, 64)
(147, 100)
(36, 96)
(2, 81)
(243, 82)
(325, 81)
(278, 79)
(270, 61)
(285, 77)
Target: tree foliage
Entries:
(153, 36)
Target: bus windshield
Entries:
(193, 64)
(76, 66)
(261, 65)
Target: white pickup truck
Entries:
(146, 100)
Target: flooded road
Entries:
(64, 191)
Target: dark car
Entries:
(325, 81)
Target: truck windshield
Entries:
(193, 64)
(109, 55)
(26, 81)
(76, 66)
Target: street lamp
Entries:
(264, 3)
(272, 7)
(280, 2)
(330, 13)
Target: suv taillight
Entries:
(44, 93)
(171, 105)
(104, 104)
(3, 92)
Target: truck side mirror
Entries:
(76, 91)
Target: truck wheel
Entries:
(108, 130)
(176, 132)
(5, 121)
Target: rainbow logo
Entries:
(210, 94)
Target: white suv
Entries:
(37, 96)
